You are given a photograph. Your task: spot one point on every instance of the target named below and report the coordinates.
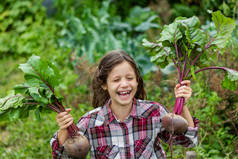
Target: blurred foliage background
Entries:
(77, 33)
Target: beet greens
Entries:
(37, 93)
(190, 49)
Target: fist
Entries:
(183, 90)
(64, 119)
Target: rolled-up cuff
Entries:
(192, 133)
(57, 150)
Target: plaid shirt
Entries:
(138, 137)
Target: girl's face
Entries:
(121, 84)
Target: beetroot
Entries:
(77, 147)
(174, 124)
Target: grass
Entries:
(10, 74)
(29, 138)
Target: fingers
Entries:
(64, 119)
(185, 95)
(183, 83)
(186, 82)
(184, 90)
(66, 123)
(68, 110)
(61, 114)
(177, 86)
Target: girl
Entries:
(124, 125)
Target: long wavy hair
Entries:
(107, 63)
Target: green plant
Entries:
(88, 35)
(26, 30)
(188, 8)
(187, 46)
(216, 138)
(10, 75)
(37, 93)
(95, 32)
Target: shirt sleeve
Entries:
(188, 139)
(57, 150)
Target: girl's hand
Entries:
(183, 90)
(64, 119)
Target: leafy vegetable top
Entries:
(38, 91)
(190, 48)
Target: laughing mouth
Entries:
(124, 92)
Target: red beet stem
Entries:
(72, 130)
(181, 106)
(178, 107)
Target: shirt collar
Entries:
(109, 116)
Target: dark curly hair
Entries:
(107, 63)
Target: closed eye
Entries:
(130, 78)
(116, 80)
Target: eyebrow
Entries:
(129, 74)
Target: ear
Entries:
(104, 87)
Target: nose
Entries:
(124, 83)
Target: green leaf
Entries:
(232, 74)
(38, 71)
(21, 88)
(33, 81)
(194, 34)
(35, 94)
(11, 101)
(41, 78)
(24, 111)
(11, 107)
(28, 70)
(148, 44)
(192, 22)
(170, 33)
(147, 24)
(37, 114)
(159, 52)
(215, 119)
(14, 114)
(193, 73)
(224, 27)
(228, 84)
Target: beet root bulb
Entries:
(77, 147)
(174, 123)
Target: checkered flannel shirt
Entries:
(138, 137)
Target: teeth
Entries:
(126, 92)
